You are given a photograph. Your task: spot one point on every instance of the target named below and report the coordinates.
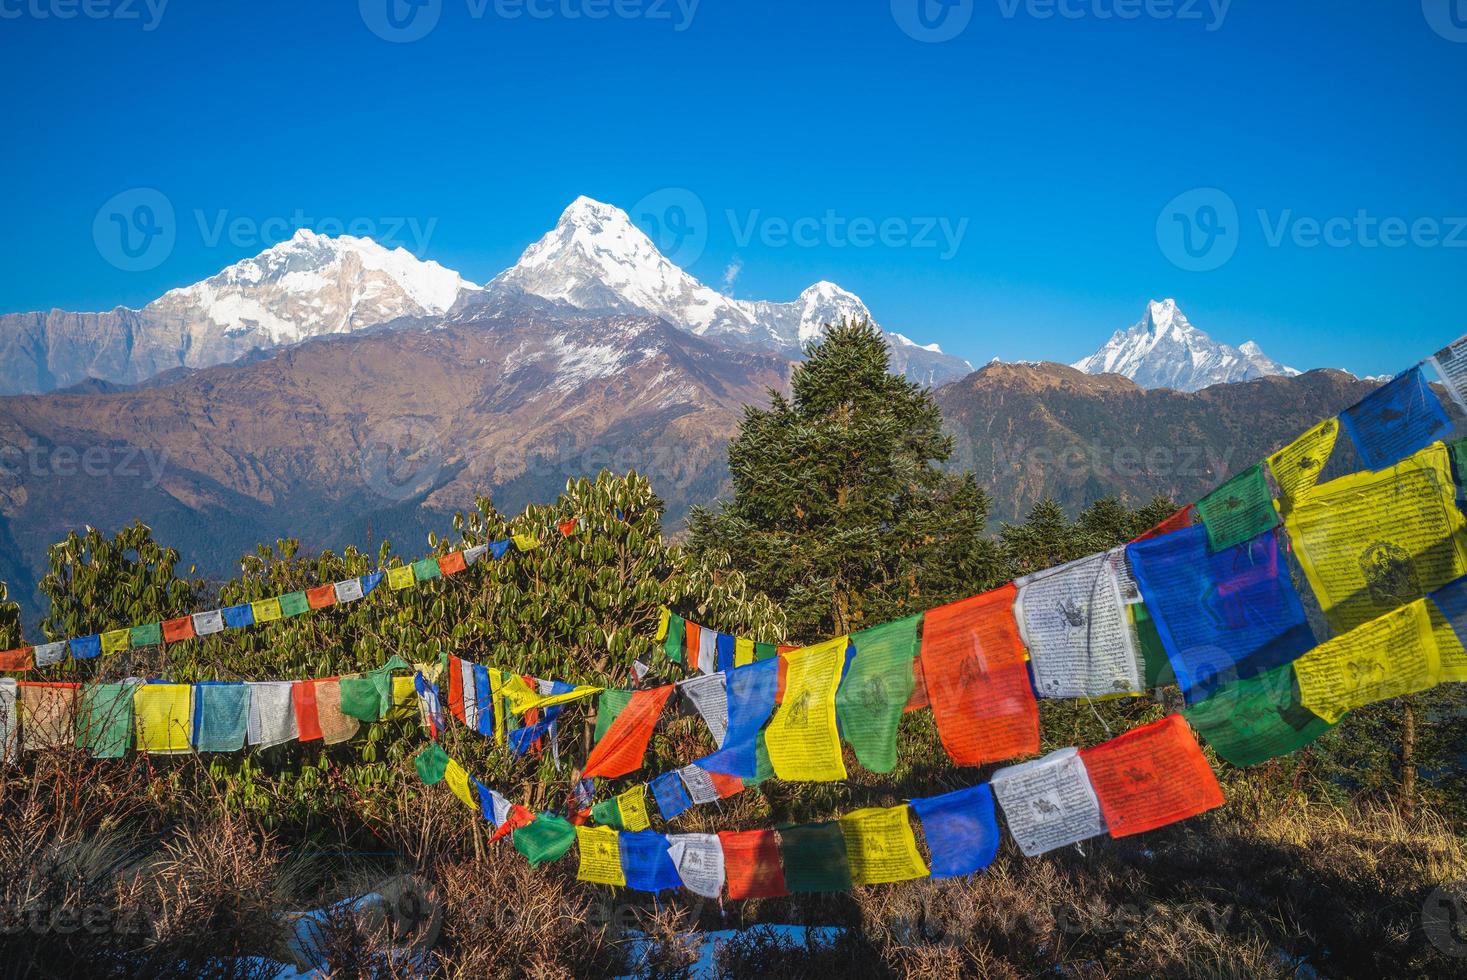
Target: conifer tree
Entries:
(841, 510)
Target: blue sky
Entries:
(1081, 155)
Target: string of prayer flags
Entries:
(647, 862)
(221, 716)
(976, 679)
(104, 720)
(872, 697)
(9, 721)
(1073, 621)
(814, 859)
(1296, 468)
(803, 741)
(164, 715)
(709, 695)
(880, 846)
(1393, 655)
(961, 829)
(1257, 719)
(699, 862)
(620, 749)
(546, 838)
(751, 864)
(751, 697)
(272, 713)
(672, 799)
(1239, 510)
(600, 856)
(1396, 420)
(1372, 542)
(1150, 777)
(1451, 364)
(1049, 802)
(1224, 615)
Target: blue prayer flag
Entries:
(1224, 616)
(499, 548)
(725, 658)
(645, 862)
(221, 715)
(486, 802)
(1396, 420)
(1451, 600)
(751, 691)
(86, 647)
(238, 617)
(371, 581)
(484, 701)
(961, 830)
(671, 796)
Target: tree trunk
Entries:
(1408, 757)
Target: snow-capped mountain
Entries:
(595, 259)
(1164, 350)
(309, 286)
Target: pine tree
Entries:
(841, 511)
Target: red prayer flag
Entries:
(178, 630)
(17, 659)
(307, 722)
(919, 699)
(568, 527)
(621, 749)
(321, 597)
(1178, 521)
(1151, 776)
(456, 688)
(725, 785)
(452, 563)
(975, 676)
(518, 817)
(751, 862)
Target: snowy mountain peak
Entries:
(596, 259)
(1164, 350)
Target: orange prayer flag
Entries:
(452, 563)
(20, 659)
(919, 699)
(693, 632)
(1181, 520)
(751, 863)
(621, 749)
(725, 785)
(568, 526)
(1151, 776)
(321, 597)
(178, 630)
(307, 722)
(973, 669)
(456, 688)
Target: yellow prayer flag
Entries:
(600, 856)
(743, 651)
(458, 781)
(1373, 542)
(802, 739)
(115, 641)
(266, 610)
(496, 697)
(164, 716)
(664, 617)
(401, 577)
(1385, 658)
(633, 806)
(431, 671)
(521, 696)
(880, 846)
(404, 697)
(525, 542)
(1297, 466)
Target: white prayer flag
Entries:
(707, 650)
(209, 622)
(1073, 621)
(9, 722)
(699, 783)
(709, 694)
(1049, 802)
(699, 862)
(349, 590)
(272, 714)
(48, 654)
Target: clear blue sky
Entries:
(1059, 139)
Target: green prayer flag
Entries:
(547, 838)
(765, 651)
(875, 691)
(1155, 663)
(610, 704)
(294, 604)
(763, 768)
(1459, 460)
(426, 569)
(1257, 719)
(677, 628)
(104, 720)
(608, 814)
(431, 764)
(145, 636)
(1239, 510)
(366, 698)
(814, 858)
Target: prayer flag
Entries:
(1150, 777)
(401, 577)
(221, 716)
(484, 696)
(294, 604)
(336, 725)
(456, 687)
(165, 717)
(709, 696)
(664, 618)
(349, 590)
(1229, 614)
(725, 644)
(426, 570)
(751, 691)
(17, 660)
(766, 651)
(86, 647)
(874, 692)
(452, 563)
(178, 630)
(621, 748)
(880, 846)
(1387, 657)
(208, 623)
(569, 526)
(499, 548)
(672, 799)
(1049, 802)
(672, 644)
(743, 652)
(977, 681)
(751, 862)
(545, 839)
(1181, 519)
(802, 737)
(1239, 510)
(1257, 719)
(707, 650)
(116, 641)
(647, 863)
(307, 720)
(457, 780)
(473, 555)
(1396, 420)
(699, 783)
(699, 862)
(432, 764)
(148, 635)
(104, 720)
(961, 829)
(632, 804)
(1449, 624)
(272, 713)
(238, 617)
(47, 714)
(693, 636)
(49, 654)
(600, 856)
(267, 610)
(1073, 620)
(9, 721)
(1296, 467)
(813, 857)
(525, 541)
(321, 597)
